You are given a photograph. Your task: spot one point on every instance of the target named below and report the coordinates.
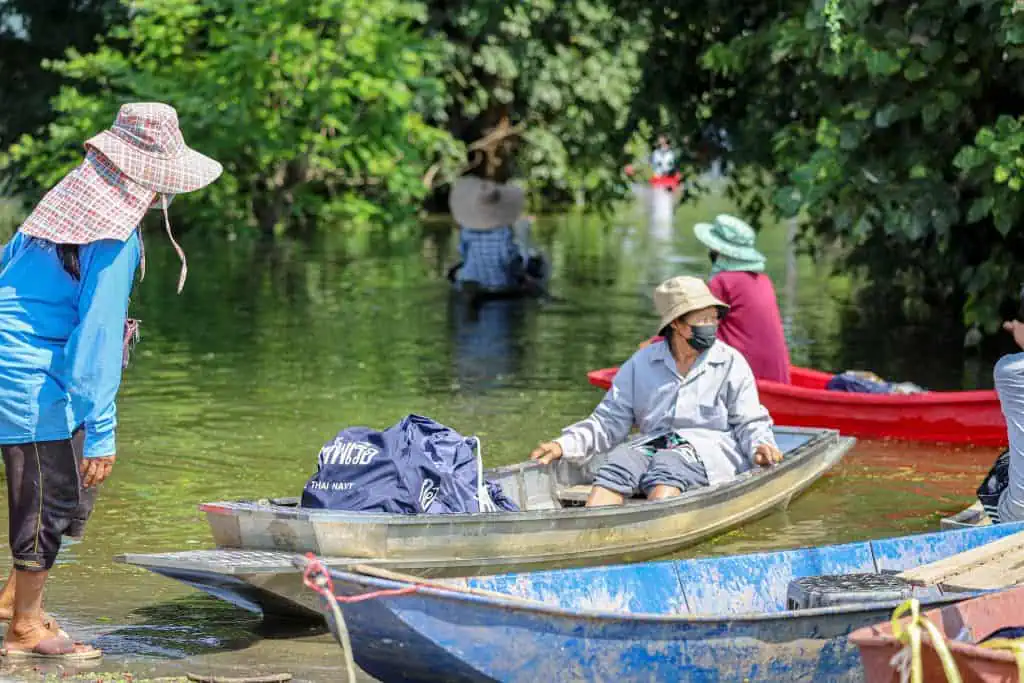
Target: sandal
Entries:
(55, 647)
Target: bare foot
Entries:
(25, 638)
(49, 622)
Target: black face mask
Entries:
(703, 336)
(713, 255)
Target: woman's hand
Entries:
(96, 470)
(766, 454)
(547, 452)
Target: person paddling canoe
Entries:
(495, 259)
(693, 399)
(65, 279)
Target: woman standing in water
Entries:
(65, 279)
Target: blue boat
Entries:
(711, 619)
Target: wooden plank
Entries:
(939, 572)
(1003, 571)
(577, 494)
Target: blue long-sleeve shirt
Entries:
(61, 341)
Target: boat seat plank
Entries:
(581, 493)
(575, 494)
(1000, 555)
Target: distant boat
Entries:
(709, 619)
(659, 197)
(973, 417)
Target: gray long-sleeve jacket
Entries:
(715, 407)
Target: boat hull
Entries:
(591, 636)
(705, 619)
(973, 417)
(545, 535)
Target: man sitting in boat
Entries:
(488, 214)
(693, 398)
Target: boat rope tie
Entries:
(316, 577)
(908, 660)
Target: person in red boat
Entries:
(754, 324)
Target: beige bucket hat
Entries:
(478, 204)
(680, 295)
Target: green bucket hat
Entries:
(734, 240)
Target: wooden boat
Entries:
(552, 528)
(708, 619)
(935, 416)
(973, 620)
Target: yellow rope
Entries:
(911, 637)
(1016, 646)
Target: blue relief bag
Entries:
(417, 466)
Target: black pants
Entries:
(45, 499)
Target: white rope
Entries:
(482, 496)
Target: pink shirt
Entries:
(754, 325)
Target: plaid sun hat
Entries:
(94, 201)
(141, 156)
(125, 167)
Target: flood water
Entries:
(269, 352)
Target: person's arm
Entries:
(719, 290)
(95, 350)
(750, 421)
(606, 427)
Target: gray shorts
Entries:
(632, 469)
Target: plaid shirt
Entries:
(490, 258)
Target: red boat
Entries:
(976, 618)
(669, 182)
(972, 417)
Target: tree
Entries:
(558, 75)
(32, 32)
(892, 128)
(312, 107)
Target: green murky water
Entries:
(269, 352)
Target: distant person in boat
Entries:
(754, 324)
(494, 258)
(663, 158)
(1002, 492)
(65, 278)
(693, 399)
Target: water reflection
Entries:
(272, 349)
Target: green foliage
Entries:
(32, 31)
(11, 215)
(566, 71)
(312, 107)
(893, 128)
